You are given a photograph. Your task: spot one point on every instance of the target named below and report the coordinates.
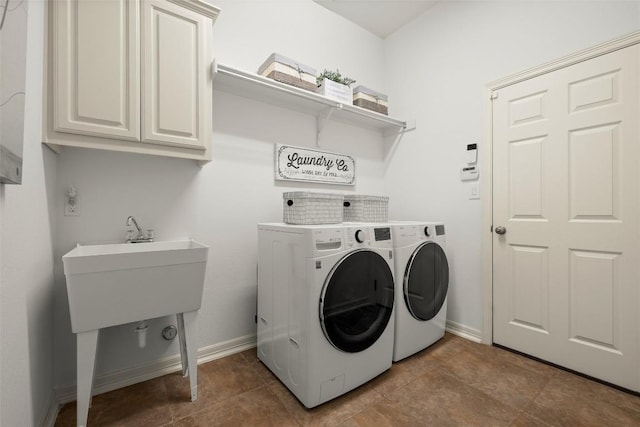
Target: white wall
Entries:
(220, 204)
(436, 69)
(26, 263)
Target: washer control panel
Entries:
(358, 236)
(382, 233)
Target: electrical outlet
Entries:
(71, 206)
(71, 209)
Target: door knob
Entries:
(500, 230)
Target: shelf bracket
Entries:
(321, 122)
(394, 138)
(214, 69)
(394, 141)
(410, 125)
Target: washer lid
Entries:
(356, 302)
(426, 281)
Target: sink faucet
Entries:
(142, 236)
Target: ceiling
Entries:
(381, 17)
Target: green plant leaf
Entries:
(334, 76)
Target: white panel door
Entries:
(96, 68)
(176, 75)
(566, 190)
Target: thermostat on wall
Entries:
(472, 153)
(469, 173)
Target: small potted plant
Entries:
(334, 85)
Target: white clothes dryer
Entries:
(325, 306)
(422, 282)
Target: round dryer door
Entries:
(357, 301)
(426, 281)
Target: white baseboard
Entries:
(126, 377)
(48, 418)
(464, 331)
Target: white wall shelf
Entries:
(253, 86)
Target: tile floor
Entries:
(453, 383)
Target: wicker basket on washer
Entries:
(312, 208)
(362, 208)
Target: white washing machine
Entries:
(422, 282)
(325, 306)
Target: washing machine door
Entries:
(426, 281)
(357, 301)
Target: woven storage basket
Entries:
(312, 208)
(361, 208)
(286, 70)
(371, 100)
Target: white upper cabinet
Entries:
(177, 100)
(96, 68)
(130, 75)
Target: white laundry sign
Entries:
(303, 164)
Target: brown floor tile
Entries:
(440, 399)
(250, 355)
(526, 420)
(401, 374)
(265, 373)
(252, 358)
(258, 407)
(487, 351)
(446, 348)
(217, 381)
(490, 369)
(67, 415)
(572, 400)
(143, 404)
(452, 383)
(382, 414)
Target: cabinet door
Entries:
(96, 67)
(176, 78)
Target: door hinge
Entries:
(494, 95)
(491, 229)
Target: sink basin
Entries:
(114, 284)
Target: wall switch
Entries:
(71, 207)
(474, 192)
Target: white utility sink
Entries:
(115, 284)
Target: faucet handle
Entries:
(138, 235)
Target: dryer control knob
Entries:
(359, 237)
(426, 231)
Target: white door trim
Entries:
(487, 184)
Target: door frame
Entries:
(487, 157)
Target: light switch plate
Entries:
(474, 191)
